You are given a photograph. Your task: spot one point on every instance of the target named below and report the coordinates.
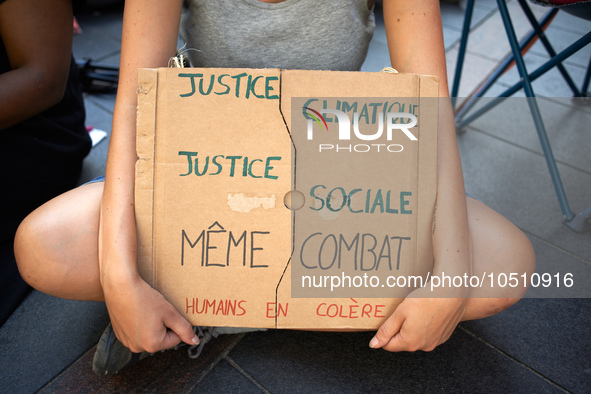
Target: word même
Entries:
(327, 250)
(219, 161)
(372, 203)
(226, 83)
(228, 242)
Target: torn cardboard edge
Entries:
(151, 105)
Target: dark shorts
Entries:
(97, 179)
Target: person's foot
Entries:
(111, 356)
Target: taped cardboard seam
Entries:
(288, 131)
(158, 192)
(428, 98)
(144, 183)
(294, 156)
(293, 186)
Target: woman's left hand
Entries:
(420, 322)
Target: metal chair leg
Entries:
(550, 161)
(462, 51)
(466, 106)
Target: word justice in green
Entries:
(243, 85)
(227, 165)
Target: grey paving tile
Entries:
(566, 121)
(171, 371)
(292, 361)
(489, 41)
(475, 70)
(105, 103)
(114, 60)
(224, 378)
(378, 55)
(453, 14)
(551, 84)
(499, 88)
(485, 4)
(549, 335)
(98, 111)
(95, 163)
(561, 39)
(92, 166)
(380, 30)
(559, 274)
(101, 34)
(450, 37)
(516, 183)
(377, 58)
(572, 23)
(102, 21)
(90, 45)
(494, 90)
(44, 336)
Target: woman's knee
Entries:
(503, 255)
(498, 245)
(59, 238)
(30, 249)
(519, 267)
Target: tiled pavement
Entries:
(539, 345)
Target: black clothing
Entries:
(40, 158)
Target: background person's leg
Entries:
(13, 289)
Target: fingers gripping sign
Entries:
(419, 324)
(179, 329)
(389, 334)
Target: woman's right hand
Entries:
(143, 319)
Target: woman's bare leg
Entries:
(498, 247)
(57, 251)
(56, 246)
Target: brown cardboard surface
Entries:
(218, 243)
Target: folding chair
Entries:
(580, 222)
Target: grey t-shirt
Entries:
(293, 34)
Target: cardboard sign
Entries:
(282, 198)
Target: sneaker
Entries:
(111, 356)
